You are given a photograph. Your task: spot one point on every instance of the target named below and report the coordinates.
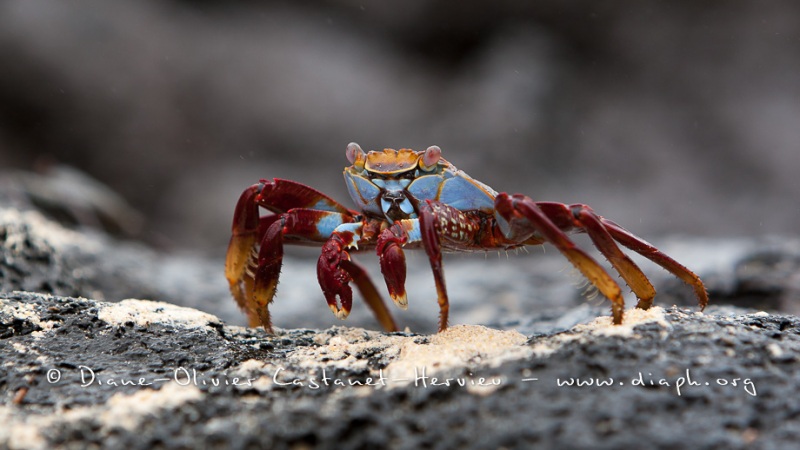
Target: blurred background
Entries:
(677, 118)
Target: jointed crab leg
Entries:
(519, 208)
(262, 269)
(370, 293)
(393, 261)
(335, 271)
(641, 247)
(243, 239)
(255, 252)
(442, 226)
(583, 217)
(604, 233)
(549, 219)
(433, 247)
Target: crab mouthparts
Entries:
(396, 206)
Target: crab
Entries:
(416, 199)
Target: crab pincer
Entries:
(393, 263)
(333, 278)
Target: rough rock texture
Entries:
(535, 364)
(670, 379)
(536, 291)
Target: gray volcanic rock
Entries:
(81, 371)
(140, 374)
(41, 255)
(536, 292)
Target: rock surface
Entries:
(86, 365)
(139, 374)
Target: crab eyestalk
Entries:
(356, 156)
(430, 158)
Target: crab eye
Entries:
(356, 156)
(430, 158)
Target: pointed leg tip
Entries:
(340, 313)
(401, 300)
(703, 296)
(644, 304)
(617, 315)
(263, 319)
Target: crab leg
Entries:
(277, 196)
(371, 295)
(440, 223)
(582, 216)
(335, 271)
(255, 251)
(255, 282)
(604, 233)
(281, 195)
(641, 247)
(245, 233)
(392, 259)
(518, 208)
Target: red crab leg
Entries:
(604, 232)
(439, 222)
(261, 274)
(641, 247)
(335, 271)
(252, 273)
(244, 234)
(370, 294)
(266, 274)
(277, 196)
(393, 262)
(582, 216)
(281, 195)
(519, 208)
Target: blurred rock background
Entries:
(145, 118)
(669, 117)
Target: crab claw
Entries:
(393, 266)
(333, 279)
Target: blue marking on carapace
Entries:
(425, 187)
(363, 193)
(392, 185)
(467, 195)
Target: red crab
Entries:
(409, 199)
